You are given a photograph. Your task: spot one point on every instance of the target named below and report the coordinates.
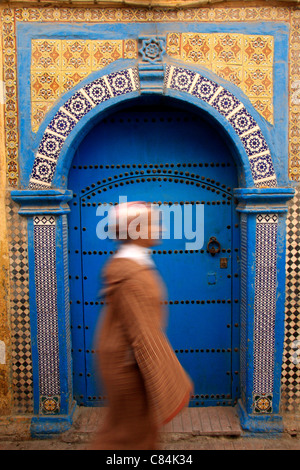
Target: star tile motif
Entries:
(152, 50)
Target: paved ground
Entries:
(176, 443)
(206, 429)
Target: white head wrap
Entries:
(130, 220)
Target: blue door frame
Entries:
(262, 203)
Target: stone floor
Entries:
(194, 429)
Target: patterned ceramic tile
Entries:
(39, 110)
(173, 45)
(98, 91)
(223, 53)
(76, 55)
(120, 83)
(78, 105)
(50, 145)
(43, 170)
(105, 52)
(258, 81)
(182, 79)
(130, 49)
(258, 50)
(204, 89)
(262, 168)
(69, 79)
(225, 102)
(242, 122)
(254, 143)
(265, 107)
(244, 304)
(232, 73)
(227, 49)
(45, 86)
(46, 54)
(263, 403)
(62, 123)
(143, 15)
(196, 48)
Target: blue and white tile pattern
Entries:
(228, 105)
(68, 116)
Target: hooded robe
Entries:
(145, 384)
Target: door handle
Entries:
(211, 246)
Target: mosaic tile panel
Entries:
(264, 309)
(46, 304)
(243, 344)
(85, 99)
(290, 390)
(21, 362)
(225, 103)
(11, 102)
(245, 60)
(294, 98)
(57, 65)
(67, 298)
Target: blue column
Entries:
(263, 231)
(49, 308)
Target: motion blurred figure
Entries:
(145, 384)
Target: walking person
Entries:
(145, 384)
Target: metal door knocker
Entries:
(211, 248)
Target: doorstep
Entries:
(206, 421)
(210, 421)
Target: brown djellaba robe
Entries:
(145, 384)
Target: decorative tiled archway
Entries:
(262, 206)
(176, 78)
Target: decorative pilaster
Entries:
(264, 311)
(49, 308)
(263, 214)
(44, 239)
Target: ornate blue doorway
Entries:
(172, 157)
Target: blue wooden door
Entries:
(170, 157)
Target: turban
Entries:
(130, 220)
